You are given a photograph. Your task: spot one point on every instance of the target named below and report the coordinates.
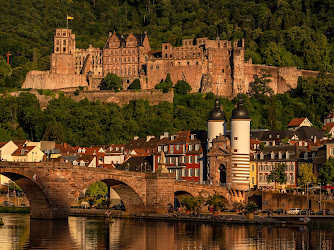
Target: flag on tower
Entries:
(70, 18)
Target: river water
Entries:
(19, 232)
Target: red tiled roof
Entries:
(328, 127)
(26, 150)
(19, 142)
(296, 122)
(64, 150)
(2, 144)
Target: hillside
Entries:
(277, 32)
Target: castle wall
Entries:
(154, 97)
(45, 80)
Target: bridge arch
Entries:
(39, 202)
(129, 191)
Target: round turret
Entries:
(216, 123)
(240, 112)
(217, 114)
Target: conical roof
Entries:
(217, 114)
(240, 112)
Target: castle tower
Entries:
(240, 140)
(216, 123)
(63, 56)
(238, 72)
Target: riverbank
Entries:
(21, 210)
(207, 218)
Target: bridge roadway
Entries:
(52, 187)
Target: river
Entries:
(19, 232)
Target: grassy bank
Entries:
(22, 210)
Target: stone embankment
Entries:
(154, 97)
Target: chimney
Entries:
(65, 145)
(166, 134)
(135, 137)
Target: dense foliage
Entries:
(86, 123)
(276, 32)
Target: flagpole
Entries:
(66, 21)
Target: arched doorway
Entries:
(222, 171)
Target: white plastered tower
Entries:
(240, 142)
(216, 123)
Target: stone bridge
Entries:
(53, 187)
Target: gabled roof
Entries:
(142, 143)
(19, 142)
(65, 149)
(308, 133)
(22, 151)
(137, 163)
(328, 127)
(295, 122)
(217, 151)
(86, 158)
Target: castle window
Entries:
(64, 33)
(57, 49)
(188, 63)
(235, 150)
(196, 63)
(171, 64)
(235, 138)
(57, 42)
(157, 67)
(166, 55)
(64, 49)
(64, 42)
(223, 70)
(151, 67)
(170, 56)
(166, 47)
(179, 63)
(224, 80)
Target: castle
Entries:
(207, 65)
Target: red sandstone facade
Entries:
(207, 65)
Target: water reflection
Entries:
(19, 232)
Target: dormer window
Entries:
(196, 147)
(279, 155)
(269, 136)
(159, 149)
(190, 147)
(272, 155)
(313, 155)
(305, 156)
(261, 156)
(287, 155)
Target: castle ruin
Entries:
(207, 65)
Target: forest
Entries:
(276, 32)
(88, 123)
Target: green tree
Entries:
(261, 84)
(5, 71)
(326, 174)
(277, 175)
(111, 82)
(97, 189)
(135, 84)
(182, 87)
(54, 132)
(216, 201)
(191, 203)
(306, 175)
(251, 207)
